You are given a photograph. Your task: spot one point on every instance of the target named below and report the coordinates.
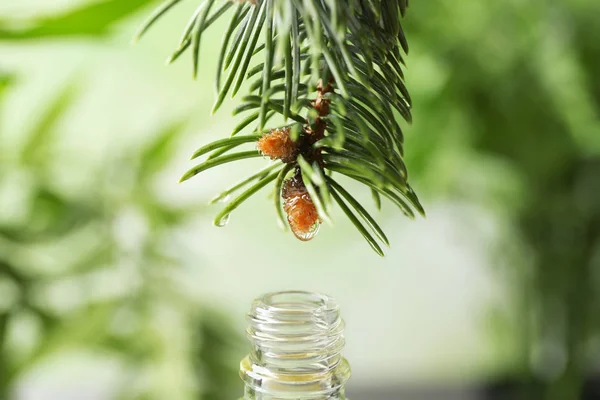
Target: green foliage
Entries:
(289, 52)
(516, 97)
(5, 81)
(68, 241)
(214, 346)
(65, 240)
(91, 20)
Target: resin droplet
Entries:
(278, 145)
(224, 220)
(301, 212)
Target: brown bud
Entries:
(278, 145)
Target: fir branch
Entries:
(335, 72)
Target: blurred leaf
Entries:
(51, 216)
(218, 346)
(35, 151)
(5, 81)
(87, 328)
(156, 154)
(94, 19)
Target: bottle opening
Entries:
(298, 301)
(296, 343)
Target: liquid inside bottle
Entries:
(296, 341)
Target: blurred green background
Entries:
(115, 285)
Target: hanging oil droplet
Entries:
(302, 214)
(306, 235)
(224, 220)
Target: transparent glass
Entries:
(297, 340)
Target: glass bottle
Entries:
(296, 344)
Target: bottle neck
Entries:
(296, 348)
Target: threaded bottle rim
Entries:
(297, 338)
